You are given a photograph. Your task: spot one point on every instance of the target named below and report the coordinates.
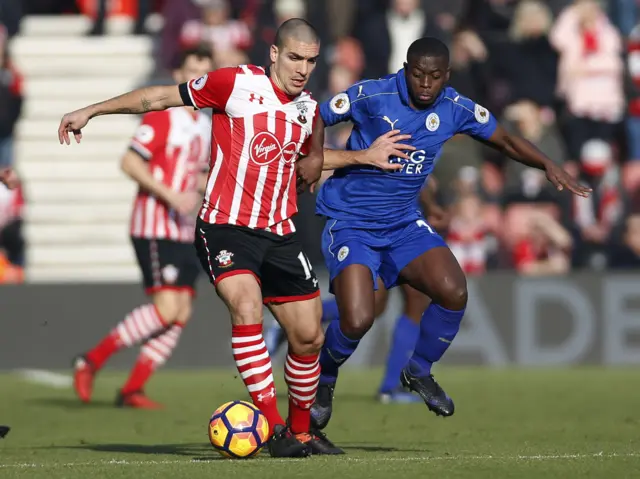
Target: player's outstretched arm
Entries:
(528, 154)
(378, 154)
(142, 100)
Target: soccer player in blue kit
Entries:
(376, 236)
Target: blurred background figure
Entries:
(215, 29)
(143, 10)
(543, 246)
(12, 243)
(386, 35)
(590, 73)
(11, 100)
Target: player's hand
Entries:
(9, 178)
(185, 202)
(561, 180)
(385, 147)
(309, 171)
(72, 122)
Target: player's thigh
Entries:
(428, 265)
(415, 302)
(232, 257)
(157, 261)
(343, 247)
(290, 289)
(301, 321)
(287, 274)
(381, 299)
(185, 311)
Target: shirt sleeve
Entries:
(343, 106)
(211, 90)
(151, 135)
(306, 145)
(473, 119)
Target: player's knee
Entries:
(454, 295)
(356, 324)
(185, 313)
(308, 341)
(168, 308)
(245, 310)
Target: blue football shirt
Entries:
(369, 197)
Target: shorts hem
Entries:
(234, 273)
(290, 299)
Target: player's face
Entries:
(426, 77)
(193, 67)
(293, 64)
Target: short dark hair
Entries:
(200, 52)
(428, 47)
(297, 28)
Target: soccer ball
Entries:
(238, 429)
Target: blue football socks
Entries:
(336, 350)
(438, 328)
(403, 343)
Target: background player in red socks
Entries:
(166, 157)
(246, 241)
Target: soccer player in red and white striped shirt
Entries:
(166, 157)
(245, 236)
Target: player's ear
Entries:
(273, 53)
(448, 75)
(405, 65)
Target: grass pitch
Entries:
(521, 424)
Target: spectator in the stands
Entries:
(11, 99)
(216, 29)
(590, 73)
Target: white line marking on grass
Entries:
(488, 457)
(46, 378)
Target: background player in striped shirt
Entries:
(246, 241)
(166, 157)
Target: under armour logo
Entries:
(360, 91)
(388, 120)
(271, 393)
(253, 98)
(315, 282)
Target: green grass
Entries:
(508, 424)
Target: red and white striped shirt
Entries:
(176, 143)
(257, 135)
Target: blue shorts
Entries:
(385, 252)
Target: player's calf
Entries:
(243, 297)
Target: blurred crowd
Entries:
(565, 74)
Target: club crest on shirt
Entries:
(433, 122)
(200, 82)
(340, 104)
(224, 258)
(170, 274)
(482, 114)
(302, 110)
